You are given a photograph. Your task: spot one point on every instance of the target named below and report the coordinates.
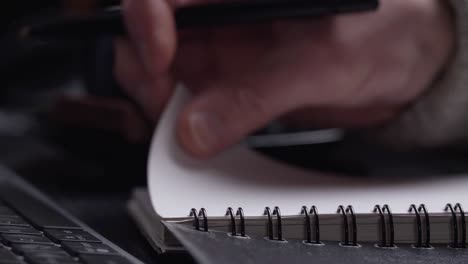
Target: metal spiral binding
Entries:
(230, 213)
(279, 225)
(386, 208)
(454, 225)
(240, 213)
(386, 224)
(349, 210)
(306, 213)
(267, 212)
(383, 227)
(196, 222)
(205, 219)
(455, 243)
(459, 208)
(196, 219)
(422, 208)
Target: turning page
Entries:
(240, 177)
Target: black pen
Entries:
(111, 22)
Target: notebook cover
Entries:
(217, 247)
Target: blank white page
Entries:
(242, 178)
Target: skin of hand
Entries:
(351, 71)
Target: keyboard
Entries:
(34, 230)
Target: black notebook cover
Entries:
(218, 247)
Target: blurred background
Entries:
(37, 122)
(88, 171)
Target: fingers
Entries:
(151, 93)
(152, 30)
(142, 63)
(223, 114)
(128, 70)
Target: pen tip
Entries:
(24, 32)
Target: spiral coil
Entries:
(345, 212)
(196, 219)
(453, 211)
(306, 213)
(463, 224)
(383, 226)
(274, 225)
(232, 216)
(279, 224)
(427, 226)
(230, 213)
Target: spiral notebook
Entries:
(244, 194)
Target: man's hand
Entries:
(348, 71)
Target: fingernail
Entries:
(204, 130)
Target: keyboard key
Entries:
(30, 248)
(19, 230)
(100, 259)
(70, 235)
(34, 210)
(12, 221)
(60, 252)
(6, 256)
(51, 261)
(29, 239)
(79, 248)
(49, 258)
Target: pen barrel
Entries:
(111, 22)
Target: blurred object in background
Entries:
(32, 69)
(13, 10)
(22, 57)
(44, 79)
(88, 5)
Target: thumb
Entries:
(219, 117)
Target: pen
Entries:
(111, 22)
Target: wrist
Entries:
(438, 117)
